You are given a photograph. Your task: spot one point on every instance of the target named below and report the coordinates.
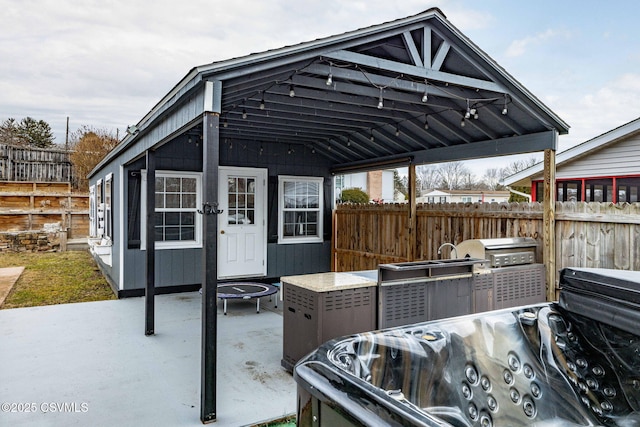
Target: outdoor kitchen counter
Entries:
(327, 282)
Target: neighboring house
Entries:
(464, 196)
(603, 169)
(377, 184)
(230, 175)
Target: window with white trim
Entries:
(177, 222)
(108, 212)
(99, 209)
(300, 207)
(93, 212)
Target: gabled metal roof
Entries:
(414, 89)
(580, 150)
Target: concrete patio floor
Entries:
(93, 361)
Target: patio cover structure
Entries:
(403, 93)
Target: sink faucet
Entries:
(453, 248)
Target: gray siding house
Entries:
(230, 175)
(603, 169)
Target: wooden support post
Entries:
(549, 240)
(150, 290)
(334, 241)
(210, 169)
(413, 238)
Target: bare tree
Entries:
(451, 174)
(517, 166)
(427, 177)
(89, 146)
(492, 178)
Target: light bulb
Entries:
(504, 111)
(329, 79)
(292, 92)
(462, 123)
(244, 114)
(262, 104)
(425, 97)
(467, 114)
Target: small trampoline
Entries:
(245, 291)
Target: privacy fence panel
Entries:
(598, 235)
(601, 235)
(31, 164)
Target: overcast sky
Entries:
(106, 63)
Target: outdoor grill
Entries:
(504, 252)
(571, 363)
(510, 277)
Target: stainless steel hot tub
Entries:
(572, 363)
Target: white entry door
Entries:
(242, 239)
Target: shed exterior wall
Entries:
(178, 267)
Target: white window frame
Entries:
(108, 206)
(93, 212)
(282, 239)
(173, 244)
(100, 208)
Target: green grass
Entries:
(288, 421)
(55, 278)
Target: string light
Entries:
(397, 131)
(262, 103)
(244, 113)
(425, 96)
(380, 101)
(504, 110)
(462, 123)
(426, 123)
(292, 92)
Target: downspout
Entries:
(520, 193)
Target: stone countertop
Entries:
(327, 282)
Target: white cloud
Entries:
(605, 108)
(519, 47)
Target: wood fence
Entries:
(599, 235)
(26, 206)
(33, 164)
